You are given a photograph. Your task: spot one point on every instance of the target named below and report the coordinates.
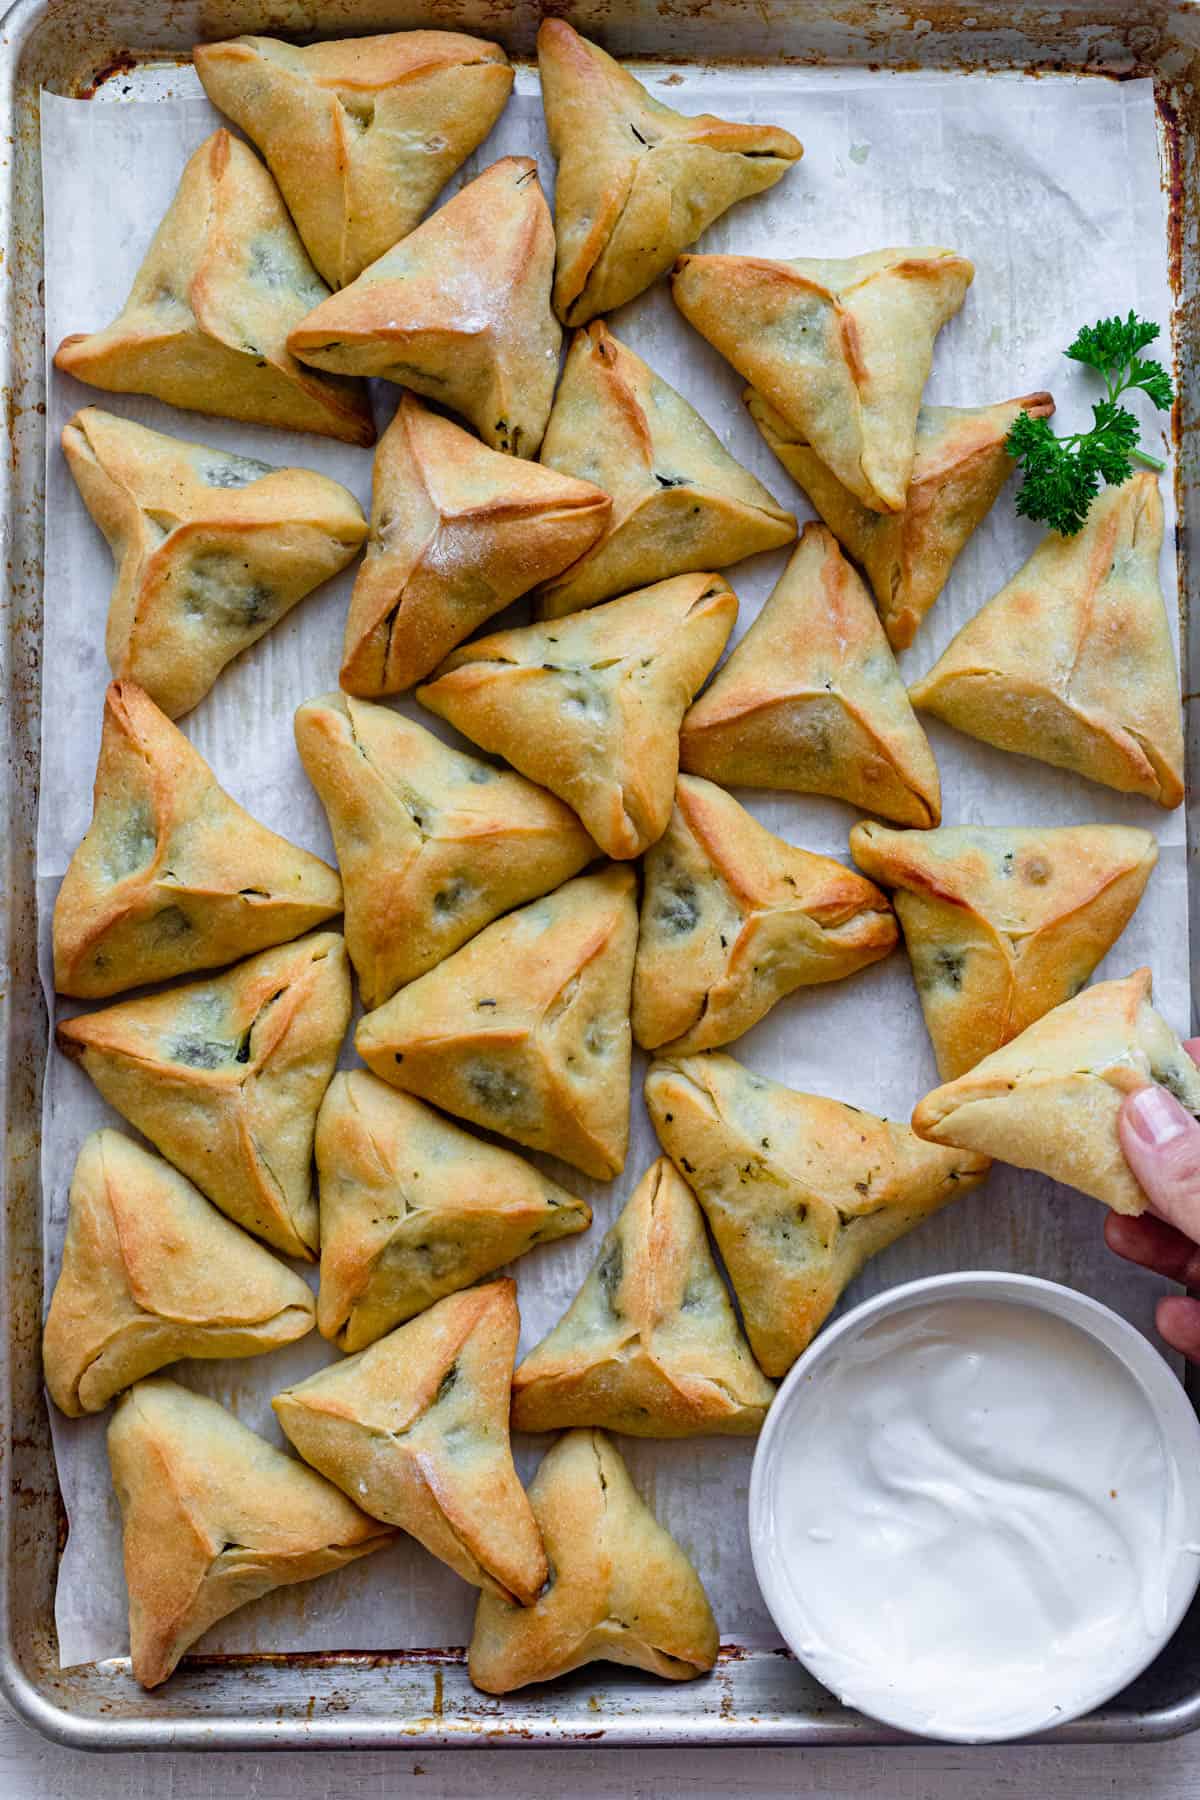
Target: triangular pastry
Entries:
(361, 133)
(525, 1030)
(679, 500)
(458, 311)
(433, 843)
(841, 347)
(413, 1208)
(650, 1345)
(150, 1273)
(1071, 662)
(799, 1191)
(811, 700)
(416, 1428)
(457, 532)
(172, 875)
(211, 550)
(206, 322)
(960, 466)
(1002, 925)
(590, 706)
(225, 1076)
(214, 1517)
(1049, 1100)
(734, 918)
(620, 1588)
(637, 181)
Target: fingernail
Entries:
(1156, 1117)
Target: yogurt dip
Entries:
(973, 1513)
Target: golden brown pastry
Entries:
(458, 311)
(679, 500)
(151, 1272)
(841, 347)
(172, 875)
(811, 699)
(637, 181)
(206, 322)
(590, 705)
(959, 468)
(416, 1428)
(211, 550)
(433, 844)
(225, 1076)
(1049, 1100)
(1002, 925)
(457, 532)
(413, 1208)
(620, 1589)
(799, 1191)
(649, 1345)
(1071, 662)
(734, 918)
(525, 1030)
(214, 1517)
(360, 133)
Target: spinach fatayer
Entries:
(206, 323)
(224, 1075)
(414, 1208)
(960, 465)
(213, 1518)
(173, 876)
(680, 503)
(799, 1190)
(619, 1589)
(733, 919)
(840, 347)
(433, 843)
(211, 550)
(1071, 662)
(1003, 924)
(458, 531)
(415, 1428)
(590, 705)
(362, 133)
(637, 181)
(525, 1030)
(811, 700)
(1049, 1100)
(458, 311)
(151, 1272)
(650, 1345)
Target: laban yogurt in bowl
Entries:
(975, 1506)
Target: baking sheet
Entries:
(1052, 186)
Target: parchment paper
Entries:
(1052, 187)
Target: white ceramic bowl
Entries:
(1167, 1403)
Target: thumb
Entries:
(1161, 1141)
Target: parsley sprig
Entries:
(1063, 474)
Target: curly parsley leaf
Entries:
(1063, 474)
(1153, 379)
(1112, 343)
(1057, 488)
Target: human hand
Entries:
(1161, 1141)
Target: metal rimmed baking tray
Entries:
(346, 1699)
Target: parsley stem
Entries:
(1151, 462)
